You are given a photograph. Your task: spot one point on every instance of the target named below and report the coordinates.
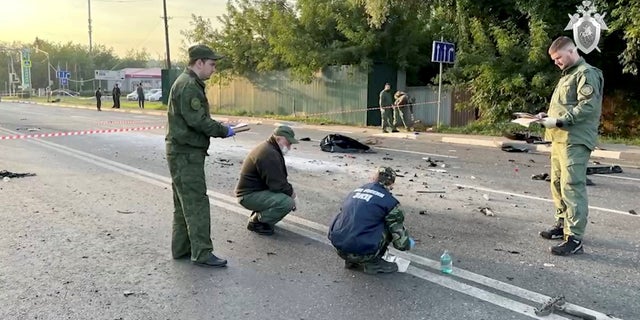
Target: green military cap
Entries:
(386, 176)
(200, 51)
(287, 132)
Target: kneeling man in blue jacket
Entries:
(369, 220)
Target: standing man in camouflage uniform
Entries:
(386, 109)
(263, 186)
(189, 129)
(572, 127)
(401, 100)
(369, 220)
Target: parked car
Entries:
(133, 96)
(154, 95)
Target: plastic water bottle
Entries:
(446, 265)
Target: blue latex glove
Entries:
(412, 243)
(230, 133)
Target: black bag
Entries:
(339, 143)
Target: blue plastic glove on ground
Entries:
(412, 243)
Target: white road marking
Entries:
(420, 153)
(229, 202)
(537, 198)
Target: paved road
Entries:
(89, 234)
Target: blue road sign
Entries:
(443, 52)
(61, 74)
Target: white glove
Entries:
(549, 122)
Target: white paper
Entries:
(525, 121)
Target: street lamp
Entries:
(49, 83)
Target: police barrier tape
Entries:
(105, 122)
(76, 133)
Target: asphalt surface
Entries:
(89, 235)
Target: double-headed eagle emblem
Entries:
(586, 28)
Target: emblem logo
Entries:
(586, 28)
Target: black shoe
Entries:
(395, 130)
(571, 246)
(351, 265)
(556, 232)
(380, 266)
(213, 262)
(260, 228)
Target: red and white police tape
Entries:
(75, 133)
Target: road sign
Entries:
(112, 75)
(25, 57)
(62, 74)
(443, 52)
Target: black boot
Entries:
(555, 232)
(212, 261)
(379, 265)
(571, 246)
(260, 228)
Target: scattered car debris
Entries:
(339, 143)
(9, 174)
(224, 162)
(305, 139)
(387, 158)
(438, 170)
(486, 197)
(510, 148)
(542, 176)
(633, 212)
(125, 212)
(508, 251)
(598, 169)
(549, 265)
(430, 191)
(487, 211)
(422, 212)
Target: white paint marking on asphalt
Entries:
(616, 177)
(228, 202)
(538, 198)
(334, 131)
(420, 153)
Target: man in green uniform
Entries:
(369, 220)
(263, 186)
(189, 129)
(386, 109)
(572, 127)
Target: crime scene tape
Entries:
(75, 133)
(110, 122)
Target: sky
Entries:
(118, 24)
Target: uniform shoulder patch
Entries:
(195, 104)
(586, 90)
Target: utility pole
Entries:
(90, 40)
(166, 33)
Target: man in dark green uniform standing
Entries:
(386, 109)
(188, 131)
(572, 127)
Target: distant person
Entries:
(48, 94)
(115, 93)
(99, 99)
(401, 100)
(386, 109)
(140, 92)
(263, 186)
(370, 219)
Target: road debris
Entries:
(487, 211)
(508, 251)
(339, 143)
(510, 148)
(633, 212)
(598, 169)
(9, 174)
(486, 197)
(125, 212)
(430, 191)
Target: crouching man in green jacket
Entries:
(263, 187)
(369, 220)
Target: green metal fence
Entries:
(337, 93)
